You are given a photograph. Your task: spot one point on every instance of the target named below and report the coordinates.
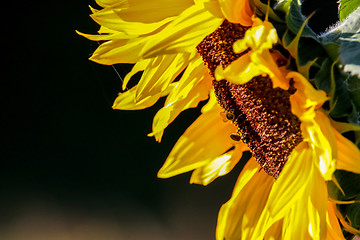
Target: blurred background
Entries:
(71, 167)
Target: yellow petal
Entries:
(126, 100)
(140, 17)
(333, 227)
(213, 6)
(317, 207)
(295, 225)
(343, 127)
(139, 66)
(325, 146)
(119, 51)
(204, 141)
(260, 37)
(193, 87)
(103, 37)
(345, 224)
(212, 102)
(348, 154)
(237, 11)
(292, 181)
(184, 33)
(320, 136)
(159, 73)
(238, 217)
(258, 61)
(306, 98)
(275, 231)
(153, 10)
(218, 167)
(111, 3)
(239, 71)
(112, 19)
(105, 30)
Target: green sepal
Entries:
(283, 6)
(263, 9)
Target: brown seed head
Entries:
(261, 113)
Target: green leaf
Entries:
(346, 7)
(350, 43)
(344, 91)
(300, 40)
(345, 101)
(295, 20)
(330, 42)
(353, 84)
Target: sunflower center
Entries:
(261, 113)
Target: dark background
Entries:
(73, 168)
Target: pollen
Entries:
(261, 113)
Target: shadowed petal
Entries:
(237, 11)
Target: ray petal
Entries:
(348, 154)
(126, 100)
(218, 167)
(184, 33)
(159, 73)
(194, 149)
(193, 87)
(237, 11)
(290, 185)
(238, 217)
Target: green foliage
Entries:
(342, 89)
(346, 7)
(350, 43)
(335, 56)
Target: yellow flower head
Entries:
(229, 56)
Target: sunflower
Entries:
(228, 55)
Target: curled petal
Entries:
(237, 11)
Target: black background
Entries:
(73, 168)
